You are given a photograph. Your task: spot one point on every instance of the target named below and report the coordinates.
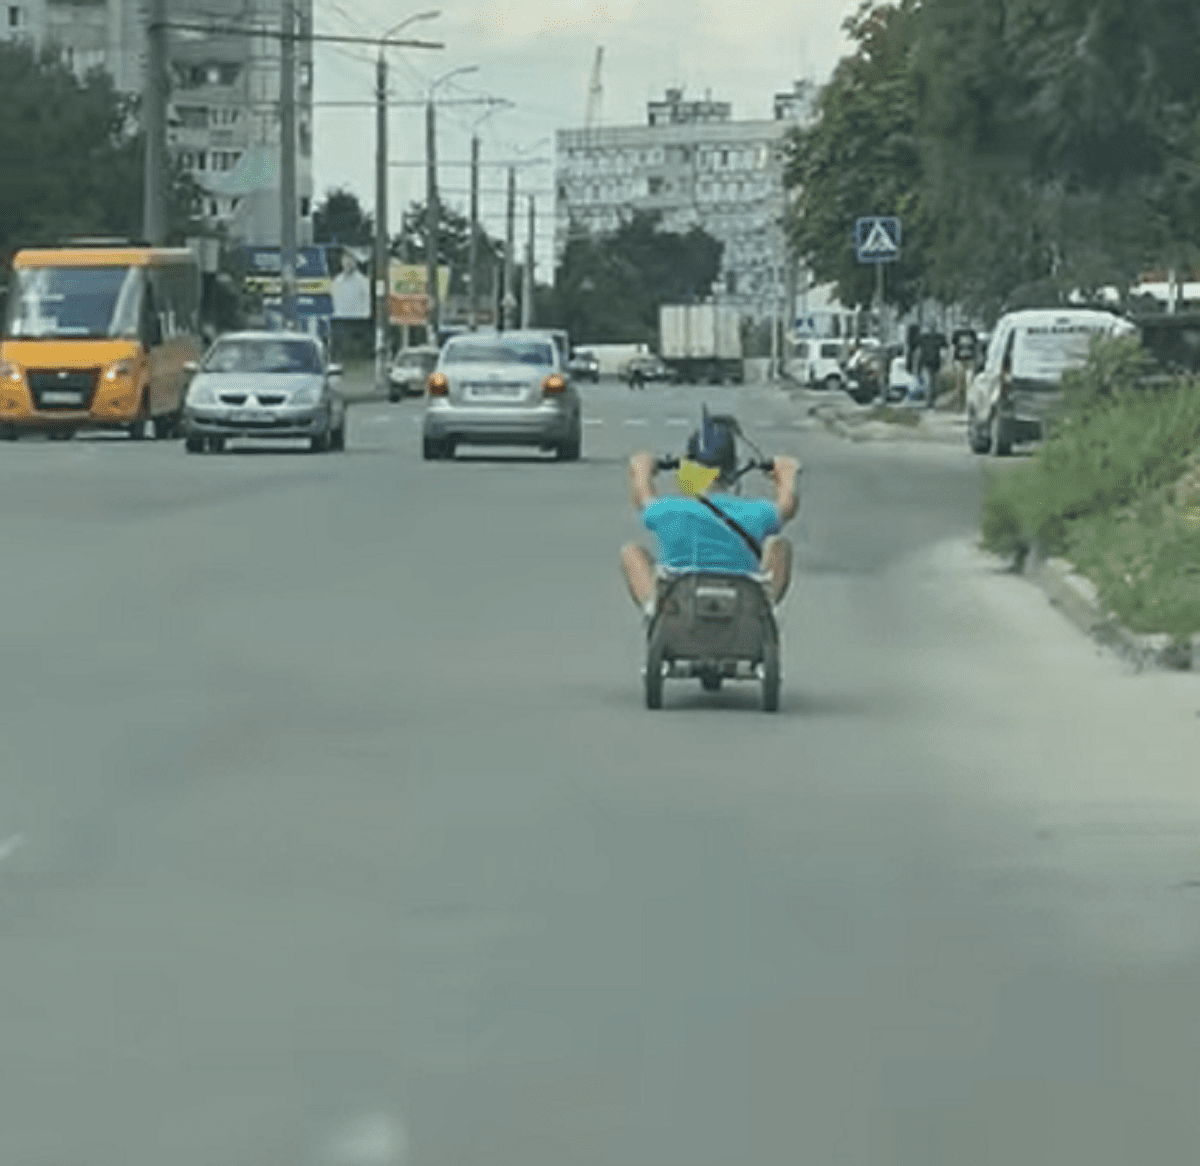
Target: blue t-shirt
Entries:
(691, 537)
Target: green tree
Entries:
(71, 156)
(339, 218)
(861, 158)
(608, 287)
(453, 244)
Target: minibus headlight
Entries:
(9, 371)
(122, 368)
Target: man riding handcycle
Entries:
(709, 601)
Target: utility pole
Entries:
(472, 274)
(154, 102)
(527, 284)
(287, 163)
(510, 299)
(382, 275)
(431, 221)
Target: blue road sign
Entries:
(877, 240)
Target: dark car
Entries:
(651, 368)
(585, 366)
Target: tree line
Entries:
(1032, 148)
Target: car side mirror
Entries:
(334, 370)
(191, 366)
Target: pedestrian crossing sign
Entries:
(877, 240)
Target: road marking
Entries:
(678, 422)
(593, 421)
(636, 421)
(375, 1139)
(10, 846)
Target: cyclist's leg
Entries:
(639, 571)
(777, 563)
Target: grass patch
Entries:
(892, 415)
(1115, 489)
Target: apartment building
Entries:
(223, 116)
(696, 166)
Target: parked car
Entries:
(1010, 400)
(652, 368)
(821, 368)
(502, 388)
(409, 370)
(264, 384)
(584, 366)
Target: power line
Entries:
(304, 37)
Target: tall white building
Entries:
(696, 166)
(223, 116)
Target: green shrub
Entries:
(1101, 491)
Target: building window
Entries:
(14, 16)
(304, 208)
(724, 157)
(655, 185)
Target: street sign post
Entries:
(877, 241)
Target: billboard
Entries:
(313, 291)
(408, 298)
(350, 288)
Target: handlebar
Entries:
(767, 465)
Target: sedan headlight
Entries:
(309, 395)
(201, 395)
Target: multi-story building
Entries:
(223, 116)
(695, 166)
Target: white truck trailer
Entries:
(702, 343)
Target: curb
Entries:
(862, 431)
(1075, 596)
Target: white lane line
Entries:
(593, 421)
(10, 846)
(678, 422)
(375, 1139)
(636, 421)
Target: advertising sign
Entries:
(350, 289)
(408, 298)
(313, 291)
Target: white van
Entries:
(819, 362)
(1009, 399)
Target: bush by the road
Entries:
(1115, 489)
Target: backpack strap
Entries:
(733, 525)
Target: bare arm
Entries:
(641, 471)
(787, 497)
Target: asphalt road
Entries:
(333, 829)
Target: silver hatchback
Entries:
(502, 388)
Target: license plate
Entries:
(61, 397)
(255, 415)
(500, 392)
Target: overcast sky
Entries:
(539, 55)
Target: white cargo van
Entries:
(1010, 398)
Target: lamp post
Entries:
(432, 211)
(381, 202)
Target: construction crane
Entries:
(591, 117)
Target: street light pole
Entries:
(432, 210)
(154, 204)
(287, 163)
(473, 244)
(382, 277)
(382, 247)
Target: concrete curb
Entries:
(852, 427)
(1075, 596)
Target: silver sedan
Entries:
(264, 384)
(502, 388)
